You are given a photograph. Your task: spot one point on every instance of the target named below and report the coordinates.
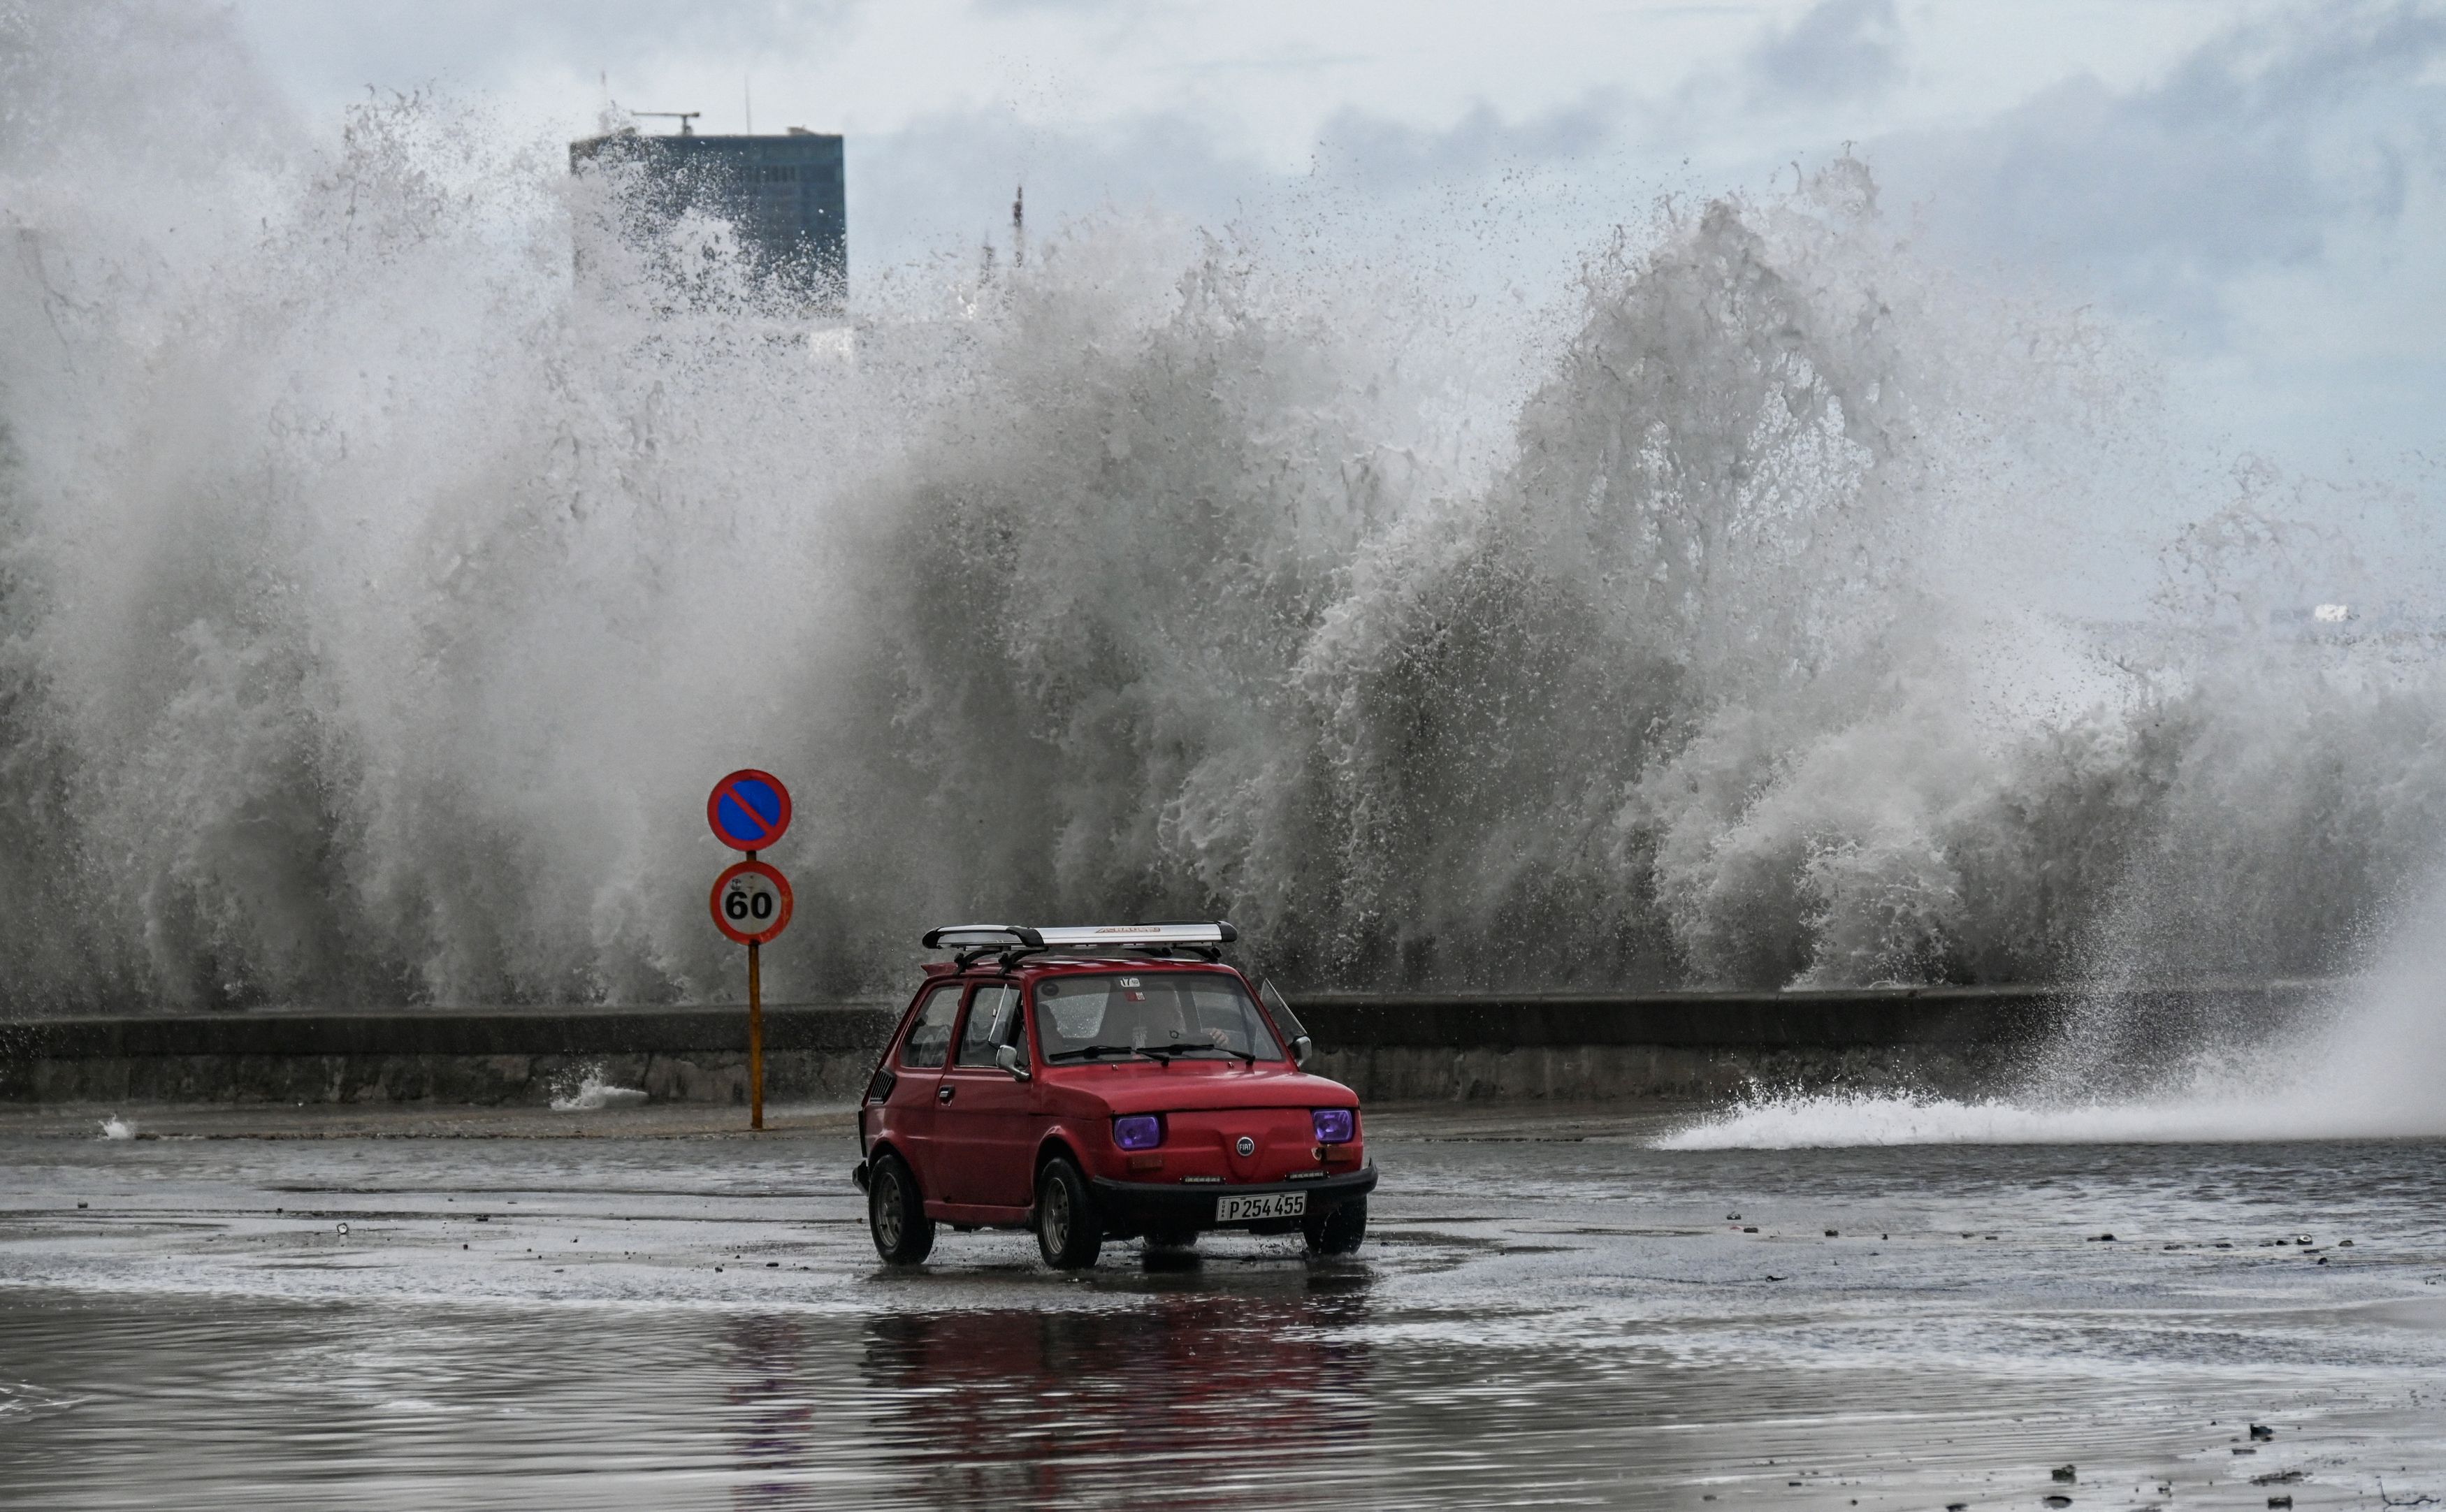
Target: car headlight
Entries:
(1335, 1126)
(1138, 1131)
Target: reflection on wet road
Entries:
(1574, 1320)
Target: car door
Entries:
(985, 1118)
(913, 1107)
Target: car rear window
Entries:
(1151, 1010)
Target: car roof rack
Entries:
(1013, 941)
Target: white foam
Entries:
(117, 1128)
(592, 1092)
(2371, 1066)
(1839, 1121)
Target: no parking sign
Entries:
(748, 810)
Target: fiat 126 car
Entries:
(1104, 1082)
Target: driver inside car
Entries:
(1154, 1020)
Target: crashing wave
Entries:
(379, 598)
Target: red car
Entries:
(1103, 1082)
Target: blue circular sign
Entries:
(748, 810)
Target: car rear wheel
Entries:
(1337, 1232)
(895, 1215)
(1066, 1231)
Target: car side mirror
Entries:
(1287, 1021)
(1006, 1056)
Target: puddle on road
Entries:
(699, 1323)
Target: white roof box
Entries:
(1074, 936)
(1078, 937)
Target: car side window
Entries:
(993, 1022)
(930, 1037)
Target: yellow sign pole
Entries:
(755, 1043)
(755, 1035)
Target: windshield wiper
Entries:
(1218, 1049)
(1095, 1051)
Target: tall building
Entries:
(782, 194)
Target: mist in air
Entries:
(379, 594)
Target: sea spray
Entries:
(585, 1090)
(387, 560)
(2364, 1062)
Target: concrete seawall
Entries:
(1563, 1046)
(812, 1052)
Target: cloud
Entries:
(1839, 50)
(907, 186)
(997, 8)
(2256, 151)
(486, 44)
(953, 172)
(1382, 154)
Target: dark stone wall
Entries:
(811, 1053)
(1561, 1046)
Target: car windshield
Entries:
(1161, 1011)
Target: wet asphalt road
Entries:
(645, 1308)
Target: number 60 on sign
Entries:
(751, 902)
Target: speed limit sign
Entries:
(751, 902)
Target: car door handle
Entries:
(943, 1094)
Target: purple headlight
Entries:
(1333, 1125)
(1138, 1131)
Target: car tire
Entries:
(1338, 1231)
(1066, 1231)
(895, 1214)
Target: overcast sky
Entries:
(2251, 189)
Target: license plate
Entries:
(1264, 1205)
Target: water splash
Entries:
(591, 1092)
(380, 595)
(117, 1128)
(2365, 1063)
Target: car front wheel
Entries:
(895, 1214)
(1337, 1232)
(1066, 1231)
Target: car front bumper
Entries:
(1126, 1208)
